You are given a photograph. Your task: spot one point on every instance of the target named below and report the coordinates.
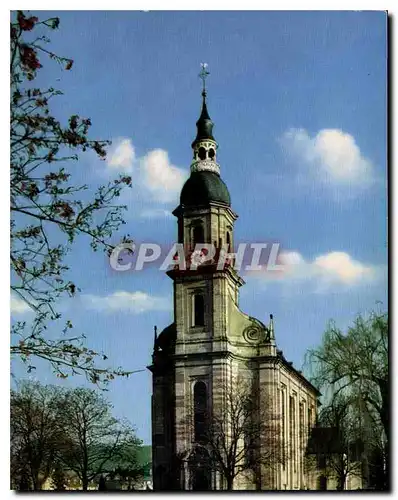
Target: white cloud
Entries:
(133, 302)
(330, 271)
(161, 178)
(291, 259)
(155, 178)
(341, 267)
(121, 155)
(19, 306)
(332, 156)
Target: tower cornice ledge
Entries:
(205, 270)
(205, 166)
(183, 210)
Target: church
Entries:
(210, 346)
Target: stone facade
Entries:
(211, 341)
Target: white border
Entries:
(4, 182)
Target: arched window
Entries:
(198, 316)
(229, 242)
(202, 153)
(198, 235)
(200, 411)
(249, 449)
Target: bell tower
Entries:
(210, 339)
(205, 222)
(205, 189)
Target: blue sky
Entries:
(299, 105)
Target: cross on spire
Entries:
(203, 75)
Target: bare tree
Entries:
(93, 437)
(49, 211)
(35, 434)
(238, 436)
(355, 365)
(357, 359)
(345, 458)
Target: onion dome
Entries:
(203, 188)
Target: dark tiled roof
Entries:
(166, 339)
(204, 187)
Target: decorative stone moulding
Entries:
(207, 144)
(205, 150)
(255, 334)
(205, 165)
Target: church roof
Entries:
(299, 374)
(166, 339)
(204, 187)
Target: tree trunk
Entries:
(341, 473)
(35, 482)
(365, 471)
(385, 407)
(85, 484)
(341, 481)
(24, 482)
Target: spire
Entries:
(155, 331)
(204, 124)
(204, 146)
(271, 328)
